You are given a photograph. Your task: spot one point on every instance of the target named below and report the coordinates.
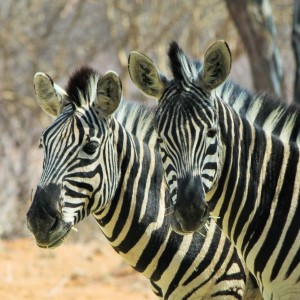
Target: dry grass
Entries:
(74, 271)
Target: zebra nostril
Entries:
(55, 225)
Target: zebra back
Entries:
(138, 119)
(261, 109)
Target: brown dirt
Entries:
(74, 271)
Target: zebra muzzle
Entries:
(44, 219)
(190, 210)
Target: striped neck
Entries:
(236, 139)
(140, 187)
(259, 180)
(137, 213)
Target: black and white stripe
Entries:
(110, 167)
(272, 114)
(247, 164)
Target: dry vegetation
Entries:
(28, 272)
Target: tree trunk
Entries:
(254, 22)
(296, 48)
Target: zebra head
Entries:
(79, 170)
(187, 125)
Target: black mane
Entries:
(181, 65)
(175, 63)
(79, 83)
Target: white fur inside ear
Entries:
(109, 93)
(216, 67)
(145, 75)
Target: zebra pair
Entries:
(94, 165)
(101, 157)
(230, 164)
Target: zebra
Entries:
(268, 112)
(218, 161)
(94, 165)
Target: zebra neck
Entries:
(259, 179)
(141, 192)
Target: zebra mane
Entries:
(138, 119)
(182, 67)
(260, 109)
(81, 87)
(268, 112)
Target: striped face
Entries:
(187, 124)
(189, 137)
(80, 172)
(189, 146)
(79, 160)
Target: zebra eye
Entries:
(91, 147)
(211, 132)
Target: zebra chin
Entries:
(55, 238)
(50, 237)
(184, 228)
(191, 211)
(44, 218)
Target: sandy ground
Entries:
(74, 271)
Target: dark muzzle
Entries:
(190, 210)
(44, 217)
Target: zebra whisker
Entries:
(74, 228)
(201, 233)
(169, 211)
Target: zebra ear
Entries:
(216, 67)
(109, 93)
(49, 95)
(145, 75)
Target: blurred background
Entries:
(58, 36)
